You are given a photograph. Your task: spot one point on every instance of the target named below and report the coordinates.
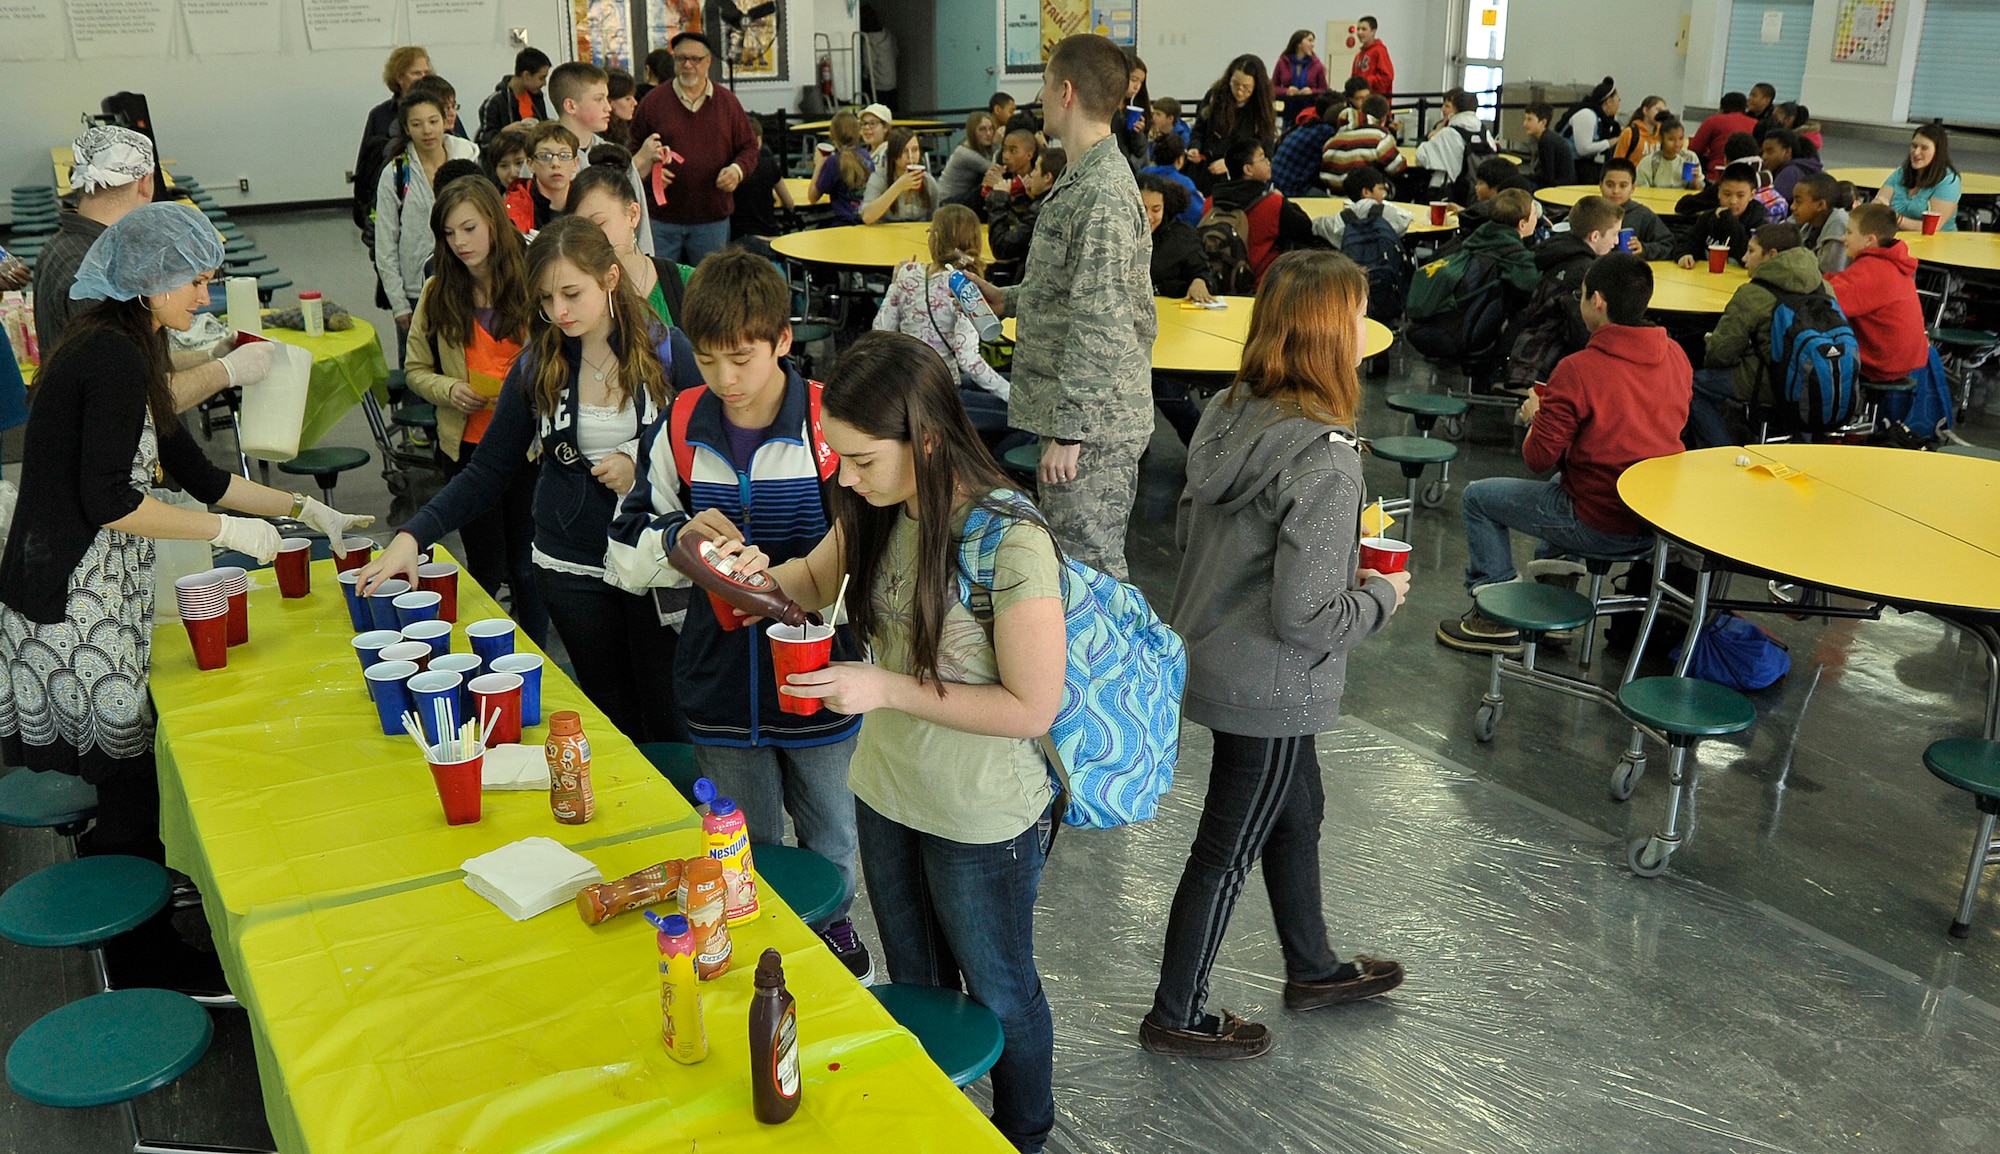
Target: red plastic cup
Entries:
(1439, 210)
(1385, 554)
(799, 649)
(1718, 257)
(210, 638)
(725, 614)
(1931, 222)
(441, 578)
(458, 783)
(360, 551)
(294, 566)
(417, 653)
(498, 696)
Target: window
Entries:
(1781, 64)
(1961, 40)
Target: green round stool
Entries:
(36, 214)
(257, 270)
(325, 466)
(238, 261)
(43, 227)
(675, 761)
(59, 801)
(1414, 455)
(960, 1035)
(1686, 709)
(1024, 460)
(1534, 610)
(109, 1048)
(83, 902)
(271, 285)
(808, 882)
(416, 415)
(397, 385)
(1964, 340)
(1427, 409)
(236, 246)
(1973, 765)
(213, 213)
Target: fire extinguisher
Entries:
(826, 78)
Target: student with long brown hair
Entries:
(841, 176)
(468, 328)
(902, 189)
(1238, 107)
(1270, 600)
(597, 373)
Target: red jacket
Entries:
(1878, 292)
(1622, 400)
(708, 140)
(1373, 63)
(1714, 133)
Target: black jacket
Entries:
(1013, 228)
(501, 109)
(1177, 258)
(1717, 226)
(1551, 326)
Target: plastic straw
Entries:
(415, 729)
(487, 724)
(840, 598)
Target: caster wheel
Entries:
(1433, 495)
(1484, 722)
(399, 484)
(1646, 858)
(1624, 777)
(1452, 428)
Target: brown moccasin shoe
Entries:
(1232, 1041)
(1377, 977)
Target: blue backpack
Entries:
(1925, 410)
(1737, 653)
(1817, 360)
(1113, 745)
(1367, 240)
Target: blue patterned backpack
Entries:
(1113, 745)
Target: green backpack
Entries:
(1434, 287)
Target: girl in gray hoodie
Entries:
(1270, 600)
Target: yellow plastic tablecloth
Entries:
(279, 790)
(426, 1021)
(346, 366)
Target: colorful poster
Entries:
(1062, 18)
(120, 27)
(350, 24)
(31, 30)
(1861, 31)
(217, 27)
(603, 35)
(666, 19)
(752, 45)
(453, 21)
(1119, 23)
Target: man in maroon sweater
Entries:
(706, 140)
(1622, 400)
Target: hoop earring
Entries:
(611, 303)
(544, 314)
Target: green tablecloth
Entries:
(346, 365)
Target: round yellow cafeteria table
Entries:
(1978, 251)
(1869, 179)
(1694, 290)
(1319, 206)
(800, 187)
(1409, 155)
(863, 245)
(1660, 200)
(1211, 340)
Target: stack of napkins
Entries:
(514, 767)
(530, 876)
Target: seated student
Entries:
(761, 194)
(1621, 400)
(1442, 156)
(1926, 182)
(1354, 93)
(842, 175)
(1168, 157)
(920, 304)
(1364, 143)
(1820, 210)
(1008, 116)
(1878, 292)
(1295, 167)
(1007, 179)
(1276, 224)
(1668, 168)
(1494, 176)
(1711, 138)
(505, 159)
(1741, 149)
(903, 189)
(1369, 190)
(552, 163)
(959, 184)
(1551, 326)
(1736, 370)
(1179, 269)
(1736, 216)
(1784, 158)
(1441, 292)
(1164, 118)
(1656, 241)
(1555, 157)
(1013, 227)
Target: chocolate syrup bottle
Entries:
(774, 1043)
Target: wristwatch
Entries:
(298, 505)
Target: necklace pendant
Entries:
(600, 377)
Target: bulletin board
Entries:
(1031, 28)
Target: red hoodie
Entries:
(1714, 133)
(1878, 292)
(1622, 400)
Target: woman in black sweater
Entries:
(1238, 107)
(76, 583)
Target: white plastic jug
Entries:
(274, 409)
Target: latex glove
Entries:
(249, 363)
(333, 523)
(249, 536)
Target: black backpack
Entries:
(1476, 150)
(1224, 234)
(1367, 240)
(1470, 329)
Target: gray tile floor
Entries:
(1788, 985)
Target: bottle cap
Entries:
(309, 296)
(770, 970)
(722, 806)
(565, 721)
(672, 925)
(704, 791)
(658, 919)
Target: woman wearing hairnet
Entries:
(76, 583)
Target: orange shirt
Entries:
(487, 361)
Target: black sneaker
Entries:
(1476, 633)
(846, 945)
(1225, 1039)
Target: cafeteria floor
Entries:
(1787, 986)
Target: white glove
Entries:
(249, 536)
(333, 523)
(249, 363)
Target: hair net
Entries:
(155, 248)
(108, 156)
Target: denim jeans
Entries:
(1713, 390)
(688, 243)
(623, 656)
(1493, 505)
(1265, 802)
(963, 917)
(808, 783)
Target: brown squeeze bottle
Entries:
(774, 1043)
(649, 886)
(568, 750)
(758, 594)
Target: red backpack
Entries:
(683, 414)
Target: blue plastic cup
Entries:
(382, 603)
(491, 639)
(427, 691)
(390, 681)
(436, 634)
(1626, 237)
(529, 667)
(369, 646)
(1687, 170)
(417, 605)
(467, 666)
(357, 609)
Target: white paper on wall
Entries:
(453, 21)
(121, 27)
(350, 24)
(32, 30)
(1774, 27)
(224, 26)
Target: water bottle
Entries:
(973, 304)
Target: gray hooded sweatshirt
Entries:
(1266, 598)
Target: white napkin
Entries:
(514, 767)
(530, 876)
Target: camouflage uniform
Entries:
(1082, 362)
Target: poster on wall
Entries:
(602, 35)
(1861, 31)
(1031, 28)
(31, 30)
(666, 19)
(452, 21)
(1118, 23)
(120, 27)
(218, 27)
(752, 45)
(350, 24)
(1062, 18)
(1023, 36)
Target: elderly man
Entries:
(707, 148)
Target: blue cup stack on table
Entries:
(435, 634)
(369, 646)
(417, 605)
